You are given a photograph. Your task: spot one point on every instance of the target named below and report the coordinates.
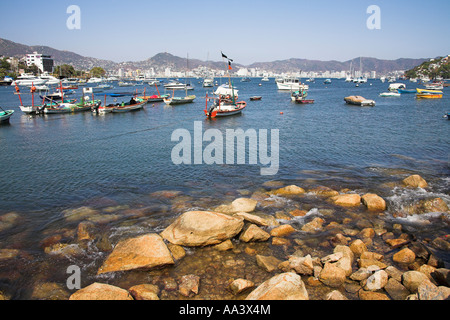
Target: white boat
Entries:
(395, 86)
(435, 86)
(291, 84)
(390, 94)
(153, 82)
(49, 80)
(208, 83)
(266, 78)
(175, 85)
(95, 80)
(28, 80)
(349, 79)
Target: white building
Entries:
(43, 62)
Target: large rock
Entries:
(254, 233)
(332, 275)
(373, 202)
(144, 252)
(289, 190)
(100, 291)
(415, 181)
(244, 205)
(405, 255)
(413, 279)
(285, 286)
(202, 228)
(347, 200)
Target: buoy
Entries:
(281, 113)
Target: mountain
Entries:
(161, 61)
(367, 64)
(12, 49)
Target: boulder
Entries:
(335, 295)
(145, 292)
(396, 290)
(253, 233)
(415, 181)
(189, 285)
(289, 190)
(405, 255)
(244, 205)
(428, 291)
(332, 276)
(240, 285)
(347, 200)
(282, 231)
(373, 202)
(202, 228)
(100, 291)
(376, 281)
(323, 191)
(285, 286)
(268, 263)
(144, 252)
(413, 279)
(314, 225)
(302, 265)
(253, 218)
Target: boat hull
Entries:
(5, 116)
(129, 108)
(176, 101)
(304, 101)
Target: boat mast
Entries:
(229, 77)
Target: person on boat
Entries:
(132, 101)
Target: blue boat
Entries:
(406, 90)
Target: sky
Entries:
(247, 31)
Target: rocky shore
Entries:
(270, 245)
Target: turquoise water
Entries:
(58, 162)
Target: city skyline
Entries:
(250, 31)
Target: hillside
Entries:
(166, 60)
(433, 68)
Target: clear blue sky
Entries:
(246, 30)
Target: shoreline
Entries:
(310, 235)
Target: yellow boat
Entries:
(428, 91)
(428, 96)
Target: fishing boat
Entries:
(179, 100)
(133, 105)
(246, 79)
(154, 98)
(390, 94)
(5, 115)
(71, 106)
(300, 97)
(224, 99)
(359, 101)
(291, 84)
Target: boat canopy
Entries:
(225, 90)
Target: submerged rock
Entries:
(202, 228)
(289, 190)
(415, 181)
(144, 252)
(347, 200)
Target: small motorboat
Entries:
(256, 98)
(390, 94)
(359, 101)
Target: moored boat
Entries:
(291, 84)
(133, 105)
(407, 90)
(359, 101)
(256, 98)
(390, 94)
(5, 115)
